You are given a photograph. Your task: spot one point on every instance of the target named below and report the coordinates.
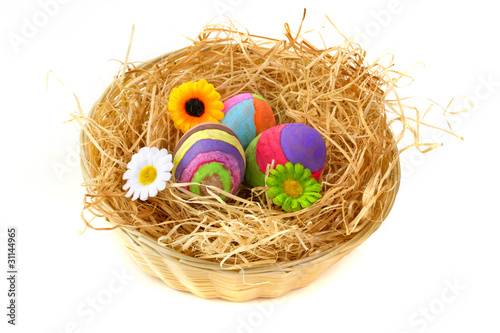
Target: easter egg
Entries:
(296, 143)
(248, 115)
(209, 154)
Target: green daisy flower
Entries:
(292, 187)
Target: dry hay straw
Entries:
(334, 90)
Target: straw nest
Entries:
(332, 89)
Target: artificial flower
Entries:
(194, 102)
(292, 187)
(148, 173)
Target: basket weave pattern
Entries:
(208, 279)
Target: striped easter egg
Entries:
(209, 154)
(247, 115)
(296, 143)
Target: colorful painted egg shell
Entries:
(248, 115)
(296, 143)
(210, 154)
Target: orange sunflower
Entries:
(194, 102)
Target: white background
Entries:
(442, 232)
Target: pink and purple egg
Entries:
(295, 142)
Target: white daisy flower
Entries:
(148, 173)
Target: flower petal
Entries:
(206, 117)
(144, 152)
(200, 85)
(127, 186)
(185, 126)
(166, 159)
(152, 191)
(136, 195)
(299, 168)
(280, 168)
(164, 176)
(169, 166)
(306, 174)
(144, 194)
(312, 197)
(133, 163)
(163, 154)
(274, 172)
(295, 205)
(313, 188)
(287, 205)
(159, 184)
(315, 195)
(218, 115)
(129, 193)
(176, 92)
(309, 182)
(272, 181)
(135, 159)
(134, 185)
(280, 199)
(131, 173)
(153, 151)
(185, 90)
(303, 202)
(274, 191)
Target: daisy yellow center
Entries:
(194, 107)
(147, 175)
(292, 188)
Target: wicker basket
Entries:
(207, 279)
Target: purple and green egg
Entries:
(209, 154)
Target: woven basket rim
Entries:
(140, 238)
